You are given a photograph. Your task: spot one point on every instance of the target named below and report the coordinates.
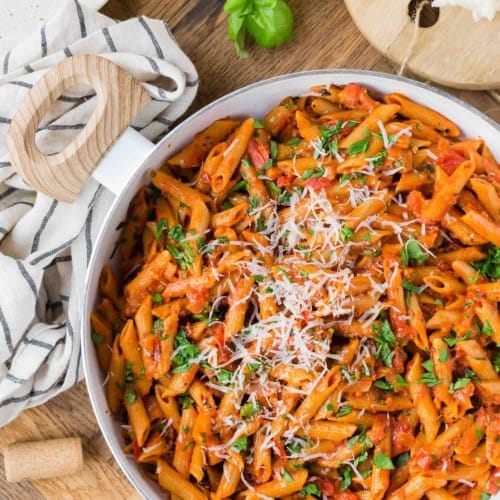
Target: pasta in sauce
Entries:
(308, 307)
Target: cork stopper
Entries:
(43, 459)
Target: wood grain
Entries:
(454, 38)
(325, 37)
(62, 175)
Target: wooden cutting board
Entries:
(455, 51)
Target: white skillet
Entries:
(140, 157)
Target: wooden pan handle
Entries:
(119, 98)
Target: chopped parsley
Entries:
(240, 444)
(312, 173)
(400, 381)
(412, 252)
(409, 286)
(346, 233)
(96, 337)
(186, 353)
(360, 146)
(185, 401)
(130, 396)
(452, 341)
(402, 459)
(385, 338)
(379, 158)
(346, 478)
(348, 177)
(310, 489)
(294, 448)
(239, 186)
(176, 233)
(382, 461)
(383, 384)
(288, 477)
(157, 298)
(273, 150)
(429, 378)
(461, 383)
(479, 433)
(294, 141)
(285, 274)
(161, 226)
(225, 377)
(489, 267)
(250, 410)
(257, 124)
(360, 438)
(443, 355)
(496, 362)
(486, 329)
(274, 188)
(158, 326)
(343, 411)
(129, 375)
(184, 259)
(254, 202)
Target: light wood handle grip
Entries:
(41, 459)
(119, 98)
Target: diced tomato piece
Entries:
(416, 202)
(377, 432)
(217, 331)
(402, 437)
(151, 345)
(327, 486)
(401, 329)
(258, 152)
(284, 180)
(398, 360)
(318, 183)
(355, 96)
(493, 484)
(449, 161)
(197, 299)
(307, 316)
(423, 459)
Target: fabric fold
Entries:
(45, 245)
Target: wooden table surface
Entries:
(325, 37)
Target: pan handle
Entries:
(120, 97)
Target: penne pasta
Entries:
(316, 314)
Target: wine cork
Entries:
(42, 459)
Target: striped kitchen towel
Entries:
(45, 245)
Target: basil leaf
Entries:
(270, 25)
(236, 30)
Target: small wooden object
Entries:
(119, 98)
(455, 51)
(42, 459)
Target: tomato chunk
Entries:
(449, 161)
(258, 152)
(355, 96)
(319, 183)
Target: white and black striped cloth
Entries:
(45, 245)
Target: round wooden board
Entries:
(456, 51)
